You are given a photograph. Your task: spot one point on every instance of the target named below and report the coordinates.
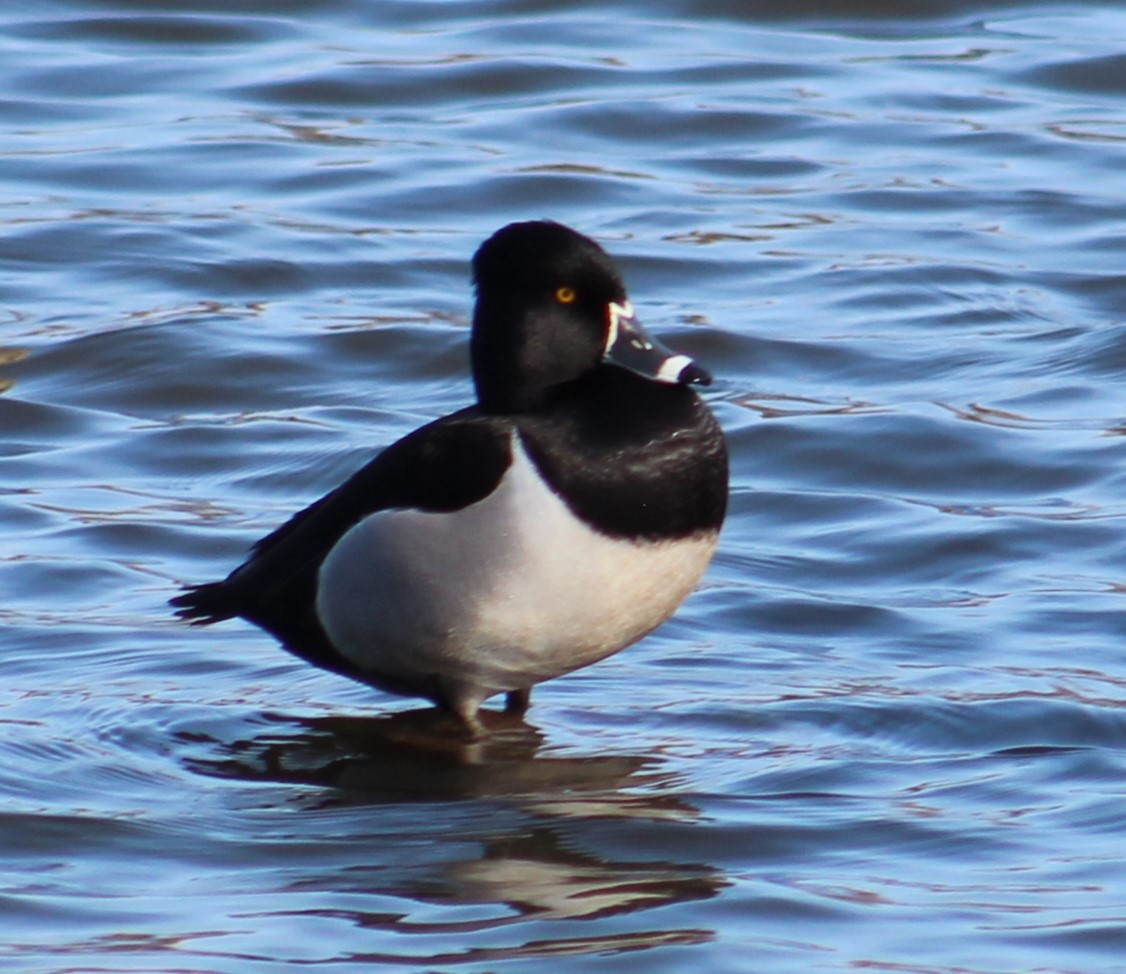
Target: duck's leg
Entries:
(471, 724)
(517, 701)
(463, 702)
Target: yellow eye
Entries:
(565, 295)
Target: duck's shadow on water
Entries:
(403, 757)
(418, 755)
(547, 826)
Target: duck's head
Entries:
(551, 307)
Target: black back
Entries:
(443, 466)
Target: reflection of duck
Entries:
(527, 817)
(406, 757)
(561, 518)
(536, 873)
(9, 356)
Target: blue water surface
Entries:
(889, 731)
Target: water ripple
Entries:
(887, 732)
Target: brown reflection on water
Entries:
(778, 406)
(9, 356)
(419, 755)
(540, 822)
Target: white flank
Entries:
(506, 593)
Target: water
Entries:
(888, 732)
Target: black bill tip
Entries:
(693, 375)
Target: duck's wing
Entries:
(443, 466)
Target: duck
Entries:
(560, 518)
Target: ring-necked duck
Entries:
(561, 518)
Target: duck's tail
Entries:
(202, 605)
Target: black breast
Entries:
(632, 457)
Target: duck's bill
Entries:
(631, 347)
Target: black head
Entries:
(551, 307)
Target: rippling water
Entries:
(888, 733)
